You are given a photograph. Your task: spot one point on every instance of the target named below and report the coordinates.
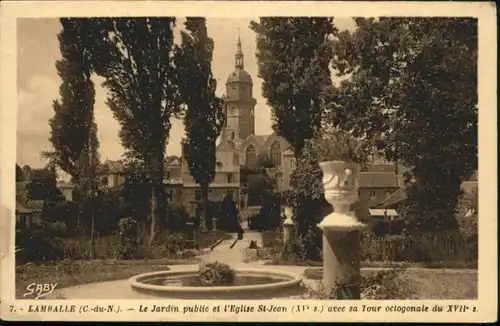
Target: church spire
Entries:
(239, 53)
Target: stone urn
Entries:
(341, 230)
(288, 225)
(341, 184)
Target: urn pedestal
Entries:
(288, 226)
(341, 230)
(190, 243)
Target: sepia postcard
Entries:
(248, 161)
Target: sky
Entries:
(38, 85)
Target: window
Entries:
(104, 181)
(229, 178)
(387, 193)
(167, 175)
(292, 164)
(372, 194)
(276, 153)
(236, 159)
(197, 195)
(251, 155)
(231, 135)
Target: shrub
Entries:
(310, 245)
(386, 285)
(216, 274)
(35, 249)
(177, 217)
(127, 238)
(270, 212)
(383, 285)
(228, 215)
(56, 229)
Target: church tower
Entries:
(239, 103)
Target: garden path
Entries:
(223, 253)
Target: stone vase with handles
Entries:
(341, 229)
(341, 184)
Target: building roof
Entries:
(378, 180)
(226, 146)
(239, 76)
(65, 185)
(377, 212)
(260, 139)
(111, 167)
(28, 207)
(381, 168)
(400, 194)
(173, 160)
(394, 198)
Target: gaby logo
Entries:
(39, 289)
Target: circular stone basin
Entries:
(249, 284)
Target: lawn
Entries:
(426, 284)
(77, 269)
(105, 247)
(70, 273)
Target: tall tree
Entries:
(414, 81)
(73, 129)
(204, 117)
(293, 56)
(136, 59)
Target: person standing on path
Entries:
(240, 232)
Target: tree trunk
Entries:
(154, 213)
(156, 176)
(204, 199)
(91, 248)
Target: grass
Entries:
(105, 247)
(428, 284)
(274, 260)
(70, 273)
(77, 269)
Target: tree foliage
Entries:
(293, 56)
(204, 117)
(413, 82)
(135, 57)
(73, 129)
(43, 186)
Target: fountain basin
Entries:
(250, 284)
